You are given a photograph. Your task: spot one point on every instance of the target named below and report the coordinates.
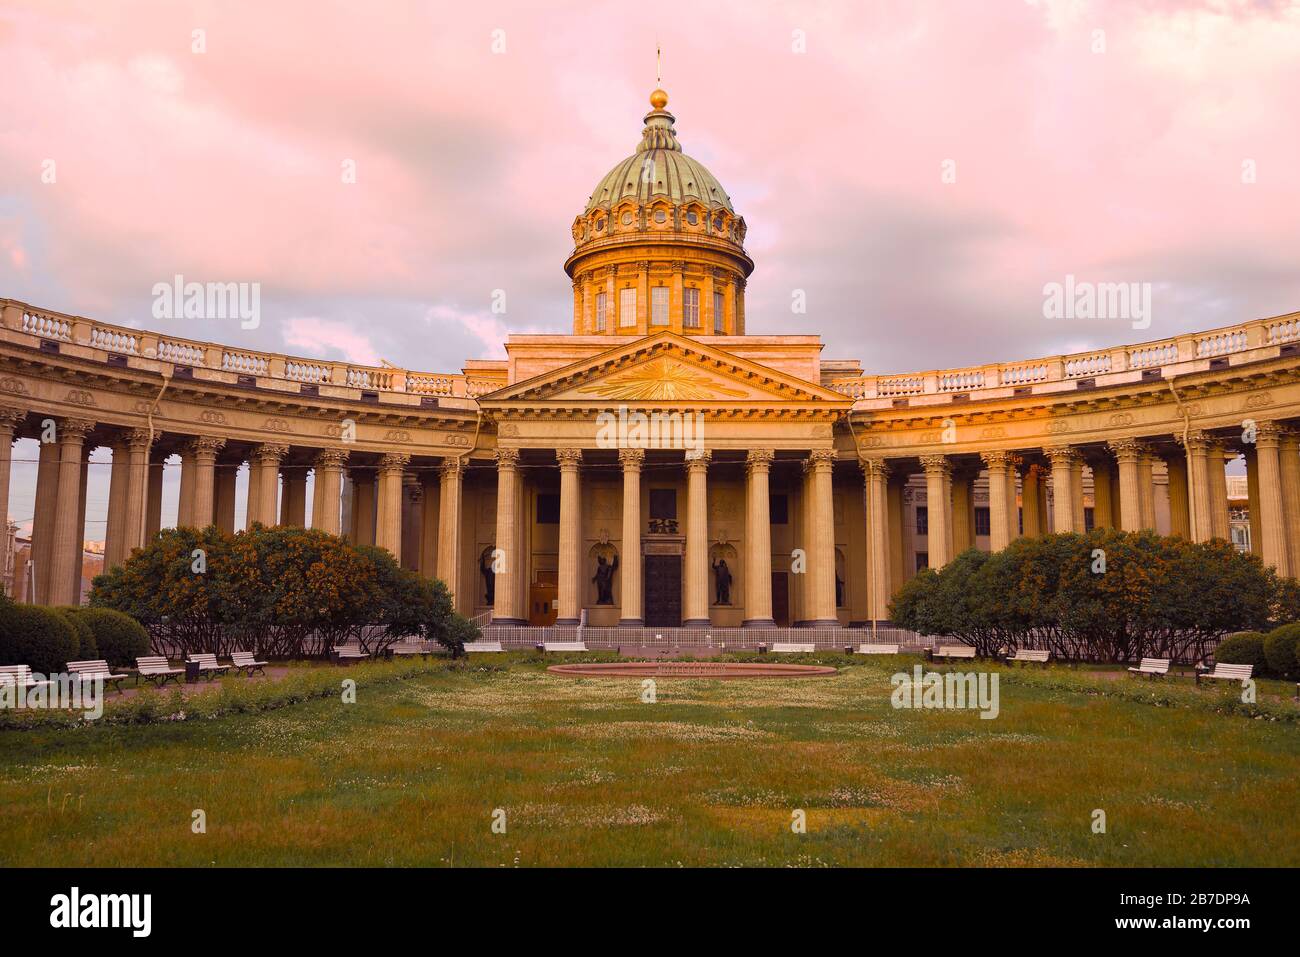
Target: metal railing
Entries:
(709, 640)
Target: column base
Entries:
(566, 622)
(631, 623)
(697, 623)
(508, 621)
(758, 623)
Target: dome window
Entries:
(627, 219)
(692, 217)
(600, 225)
(660, 216)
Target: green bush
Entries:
(1280, 650)
(35, 636)
(1246, 648)
(119, 637)
(87, 648)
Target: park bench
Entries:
(245, 662)
(793, 648)
(158, 669)
(90, 670)
(404, 649)
(207, 663)
(19, 675)
(481, 646)
(1226, 672)
(563, 646)
(953, 652)
(1151, 667)
(872, 649)
(1030, 655)
(345, 653)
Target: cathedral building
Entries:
(659, 466)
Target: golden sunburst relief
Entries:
(662, 379)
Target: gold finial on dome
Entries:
(658, 99)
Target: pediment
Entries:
(665, 370)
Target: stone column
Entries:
(1274, 548)
(268, 458)
(388, 525)
(451, 478)
(363, 506)
(1218, 489)
(821, 560)
(1289, 464)
(706, 301)
(1000, 498)
(570, 559)
(153, 503)
(1128, 452)
(1102, 477)
(1179, 504)
(293, 499)
(898, 564)
(47, 496)
(203, 451)
(1062, 459)
(428, 562)
(631, 599)
(65, 561)
(327, 491)
(138, 443)
(1254, 509)
(1034, 518)
(1013, 508)
(963, 509)
(254, 496)
(1147, 489)
(115, 524)
(696, 610)
(1198, 479)
(643, 298)
(505, 610)
(185, 501)
(876, 475)
(758, 540)
(10, 420)
(937, 470)
(226, 475)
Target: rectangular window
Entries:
(778, 510)
(659, 306)
(922, 560)
(981, 520)
(922, 520)
(627, 307)
(602, 303)
(719, 313)
(691, 308)
(663, 503)
(548, 508)
(1088, 520)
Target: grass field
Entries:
(710, 774)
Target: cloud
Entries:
(320, 337)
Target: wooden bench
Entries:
(1029, 655)
(953, 652)
(1151, 667)
(244, 661)
(208, 666)
(877, 649)
(158, 669)
(345, 653)
(481, 646)
(562, 646)
(404, 649)
(97, 670)
(20, 675)
(1226, 672)
(793, 648)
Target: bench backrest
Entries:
(780, 647)
(16, 674)
(89, 667)
(152, 663)
(565, 645)
(1030, 654)
(1222, 670)
(204, 659)
(1154, 664)
(877, 649)
(955, 651)
(483, 646)
(242, 657)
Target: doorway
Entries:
(781, 599)
(663, 591)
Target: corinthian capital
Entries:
(507, 458)
(1128, 449)
(876, 469)
(697, 460)
(820, 460)
(11, 418)
(331, 458)
(206, 446)
(270, 454)
(74, 430)
(997, 459)
(394, 461)
(631, 459)
(759, 460)
(936, 464)
(1062, 456)
(568, 458)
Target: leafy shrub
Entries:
(1280, 650)
(120, 638)
(87, 649)
(35, 636)
(1244, 649)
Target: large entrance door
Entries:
(781, 599)
(663, 591)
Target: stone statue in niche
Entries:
(489, 577)
(721, 582)
(604, 579)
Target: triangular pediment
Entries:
(665, 369)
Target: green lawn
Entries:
(708, 775)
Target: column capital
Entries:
(698, 460)
(206, 446)
(394, 462)
(759, 460)
(819, 460)
(1128, 449)
(76, 429)
(506, 458)
(568, 458)
(997, 459)
(631, 459)
(875, 469)
(10, 417)
(141, 438)
(936, 465)
(451, 468)
(331, 458)
(1062, 455)
(1268, 434)
(270, 454)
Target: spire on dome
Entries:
(659, 133)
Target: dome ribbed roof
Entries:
(658, 169)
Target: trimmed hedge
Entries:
(42, 638)
(1246, 648)
(120, 638)
(1282, 650)
(87, 649)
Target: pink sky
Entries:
(225, 165)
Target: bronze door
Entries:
(663, 591)
(780, 599)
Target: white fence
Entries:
(704, 639)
